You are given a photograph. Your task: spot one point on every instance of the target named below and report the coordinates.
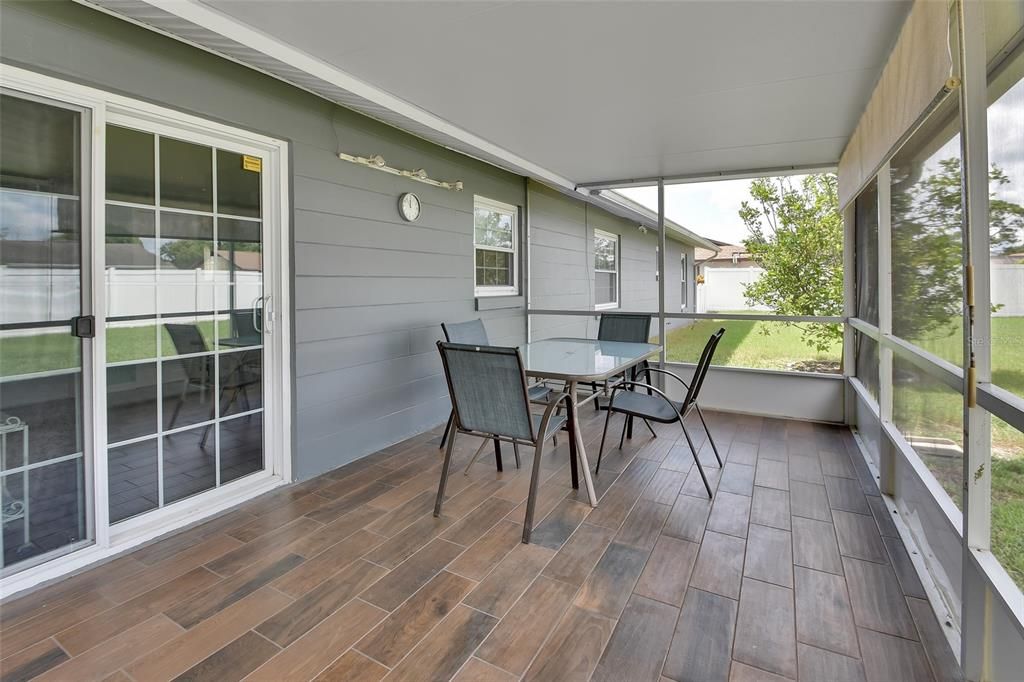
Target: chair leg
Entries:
(650, 428)
(597, 402)
(622, 438)
(708, 431)
(445, 468)
(447, 429)
(531, 499)
(497, 454)
(696, 460)
(483, 444)
(604, 434)
(515, 451)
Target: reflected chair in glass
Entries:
(491, 399)
(655, 405)
(199, 371)
(474, 333)
(243, 326)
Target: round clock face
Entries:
(409, 206)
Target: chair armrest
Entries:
(549, 410)
(664, 371)
(623, 384)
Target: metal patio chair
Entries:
(474, 333)
(656, 406)
(627, 328)
(491, 399)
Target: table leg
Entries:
(573, 468)
(497, 454)
(580, 449)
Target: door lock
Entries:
(84, 327)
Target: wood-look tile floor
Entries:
(794, 571)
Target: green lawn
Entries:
(47, 352)
(755, 344)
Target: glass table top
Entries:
(583, 359)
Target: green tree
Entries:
(796, 236)
(927, 244)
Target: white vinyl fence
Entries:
(722, 290)
(53, 294)
(1008, 289)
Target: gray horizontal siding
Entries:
(370, 290)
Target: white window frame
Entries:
(683, 281)
(499, 207)
(617, 271)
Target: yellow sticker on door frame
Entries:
(252, 163)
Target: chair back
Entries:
(472, 333)
(702, 368)
(242, 324)
(624, 327)
(487, 385)
(187, 338)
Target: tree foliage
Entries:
(927, 244)
(796, 236)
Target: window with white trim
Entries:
(606, 270)
(495, 246)
(682, 282)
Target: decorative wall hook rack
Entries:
(420, 174)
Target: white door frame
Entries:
(107, 107)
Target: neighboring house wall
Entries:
(562, 264)
(370, 290)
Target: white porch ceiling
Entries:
(568, 91)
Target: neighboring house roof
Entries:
(244, 260)
(726, 252)
(129, 256)
(649, 218)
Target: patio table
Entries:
(576, 361)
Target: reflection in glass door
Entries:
(184, 334)
(43, 457)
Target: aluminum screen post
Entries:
(661, 270)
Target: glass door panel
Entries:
(43, 496)
(185, 372)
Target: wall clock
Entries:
(409, 206)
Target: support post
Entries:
(977, 498)
(524, 242)
(661, 270)
(887, 454)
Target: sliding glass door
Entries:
(184, 282)
(45, 495)
(143, 373)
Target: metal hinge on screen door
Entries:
(84, 327)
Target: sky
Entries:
(711, 209)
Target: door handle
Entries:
(268, 312)
(256, 316)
